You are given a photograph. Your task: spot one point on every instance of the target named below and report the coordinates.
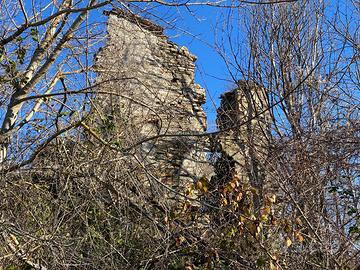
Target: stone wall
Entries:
(245, 135)
(148, 97)
(147, 93)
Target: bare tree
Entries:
(308, 68)
(42, 53)
(81, 184)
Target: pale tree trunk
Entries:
(35, 72)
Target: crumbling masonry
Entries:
(148, 98)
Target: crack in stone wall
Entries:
(245, 126)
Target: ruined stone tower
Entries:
(148, 98)
(244, 138)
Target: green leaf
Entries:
(2, 53)
(232, 232)
(118, 143)
(34, 34)
(348, 192)
(261, 261)
(21, 52)
(351, 211)
(354, 229)
(11, 67)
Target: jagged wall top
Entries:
(140, 21)
(154, 94)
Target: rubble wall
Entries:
(148, 97)
(244, 139)
(147, 94)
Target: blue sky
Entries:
(195, 29)
(211, 71)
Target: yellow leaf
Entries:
(202, 185)
(263, 218)
(255, 228)
(242, 218)
(271, 198)
(234, 205)
(288, 242)
(179, 240)
(299, 237)
(189, 191)
(266, 210)
(298, 221)
(252, 217)
(273, 266)
(253, 190)
(224, 201)
(229, 187)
